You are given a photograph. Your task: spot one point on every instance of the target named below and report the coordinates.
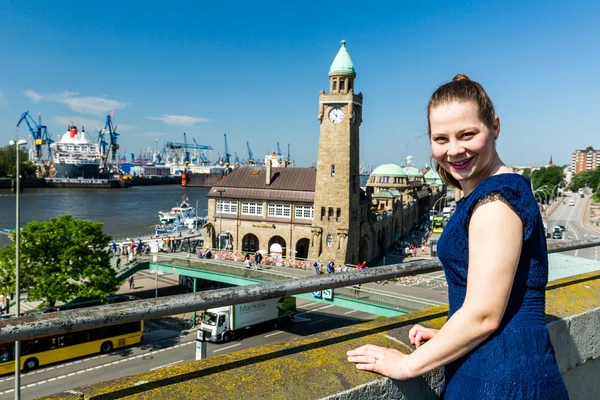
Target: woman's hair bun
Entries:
(461, 77)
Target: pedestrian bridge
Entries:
(385, 302)
(315, 367)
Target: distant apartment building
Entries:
(585, 160)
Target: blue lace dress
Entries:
(517, 361)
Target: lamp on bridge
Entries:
(18, 144)
(220, 191)
(156, 273)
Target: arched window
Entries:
(302, 247)
(277, 248)
(250, 243)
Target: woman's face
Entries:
(461, 143)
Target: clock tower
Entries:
(336, 221)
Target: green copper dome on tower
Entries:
(342, 62)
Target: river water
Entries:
(125, 212)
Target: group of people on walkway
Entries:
(330, 267)
(258, 257)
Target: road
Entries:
(571, 217)
(163, 348)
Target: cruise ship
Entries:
(74, 156)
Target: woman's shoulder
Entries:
(510, 185)
(512, 189)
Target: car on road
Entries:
(571, 202)
(561, 227)
(581, 195)
(557, 234)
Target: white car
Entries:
(571, 202)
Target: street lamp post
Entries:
(220, 191)
(443, 198)
(553, 188)
(156, 273)
(18, 145)
(409, 142)
(546, 197)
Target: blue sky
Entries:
(253, 70)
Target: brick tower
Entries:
(336, 221)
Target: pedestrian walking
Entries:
(118, 263)
(330, 267)
(131, 282)
(258, 260)
(495, 343)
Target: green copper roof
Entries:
(412, 171)
(432, 174)
(389, 170)
(342, 62)
(383, 194)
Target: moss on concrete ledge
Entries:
(307, 368)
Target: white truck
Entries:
(222, 323)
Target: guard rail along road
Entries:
(315, 367)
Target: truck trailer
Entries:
(222, 323)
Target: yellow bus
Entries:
(57, 348)
(438, 224)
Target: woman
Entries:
(495, 344)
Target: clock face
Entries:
(336, 115)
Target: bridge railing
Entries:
(25, 328)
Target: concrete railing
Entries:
(315, 367)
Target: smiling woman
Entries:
(465, 129)
(493, 249)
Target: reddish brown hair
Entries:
(461, 89)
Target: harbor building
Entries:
(319, 213)
(263, 208)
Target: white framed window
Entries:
(304, 212)
(227, 206)
(250, 208)
(280, 210)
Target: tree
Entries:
(527, 172)
(586, 178)
(549, 177)
(8, 162)
(61, 259)
(7, 270)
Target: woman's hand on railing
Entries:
(419, 334)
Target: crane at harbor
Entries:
(226, 157)
(203, 158)
(250, 157)
(180, 152)
(108, 148)
(39, 134)
(289, 160)
(278, 150)
(236, 159)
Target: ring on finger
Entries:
(375, 360)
